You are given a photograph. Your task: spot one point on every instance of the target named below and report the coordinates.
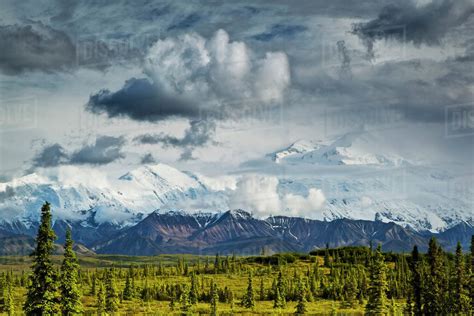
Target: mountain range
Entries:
(362, 186)
(234, 232)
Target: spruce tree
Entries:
(434, 292)
(281, 286)
(461, 300)
(111, 295)
(93, 291)
(101, 309)
(279, 300)
(184, 299)
(69, 285)
(193, 292)
(128, 291)
(249, 300)
(350, 290)
(301, 296)
(416, 286)
(376, 304)
(214, 299)
(326, 256)
(8, 301)
(262, 290)
(42, 296)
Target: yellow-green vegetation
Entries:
(348, 280)
(158, 281)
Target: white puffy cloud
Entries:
(259, 195)
(298, 205)
(216, 70)
(256, 194)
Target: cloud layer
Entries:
(35, 47)
(407, 22)
(259, 195)
(199, 133)
(189, 76)
(104, 150)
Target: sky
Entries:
(210, 85)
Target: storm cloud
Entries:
(35, 47)
(104, 150)
(141, 100)
(193, 77)
(50, 156)
(199, 133)
(406, 22)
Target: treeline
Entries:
(435, 283)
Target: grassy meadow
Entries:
(332, 283)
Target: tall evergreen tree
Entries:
(8, 301)
(278, 300)
(101, 309)
(461, 300)
(69, 285)
(377, 298)
(42, 296)
(301, 296)
(416, 286)
(248, 299)
(128, 292)
(326, 256)
(350, 290)
(193, 291)
(93, 291)
(185, 304)
(111, 295)
(214, 299)
(434, 292)
(281, 285)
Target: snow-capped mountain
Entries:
(361, 179)
(350, 149)
(121, 201)
(350, 177)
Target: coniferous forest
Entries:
(348, 280)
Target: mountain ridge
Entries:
(237, 231)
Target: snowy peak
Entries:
(350, 149)
(294, 150)
(160, 174)
(75, 193)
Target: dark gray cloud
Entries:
(50, 156)
(35, 47)
(344, 56)
(39, 47)
(140, 100)
(148, 159)
(405, 21)
(106, 149)
(336, 8)
(199, 133)
(415, 90)
(280, 31)
(186, 22)
(66, 10)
